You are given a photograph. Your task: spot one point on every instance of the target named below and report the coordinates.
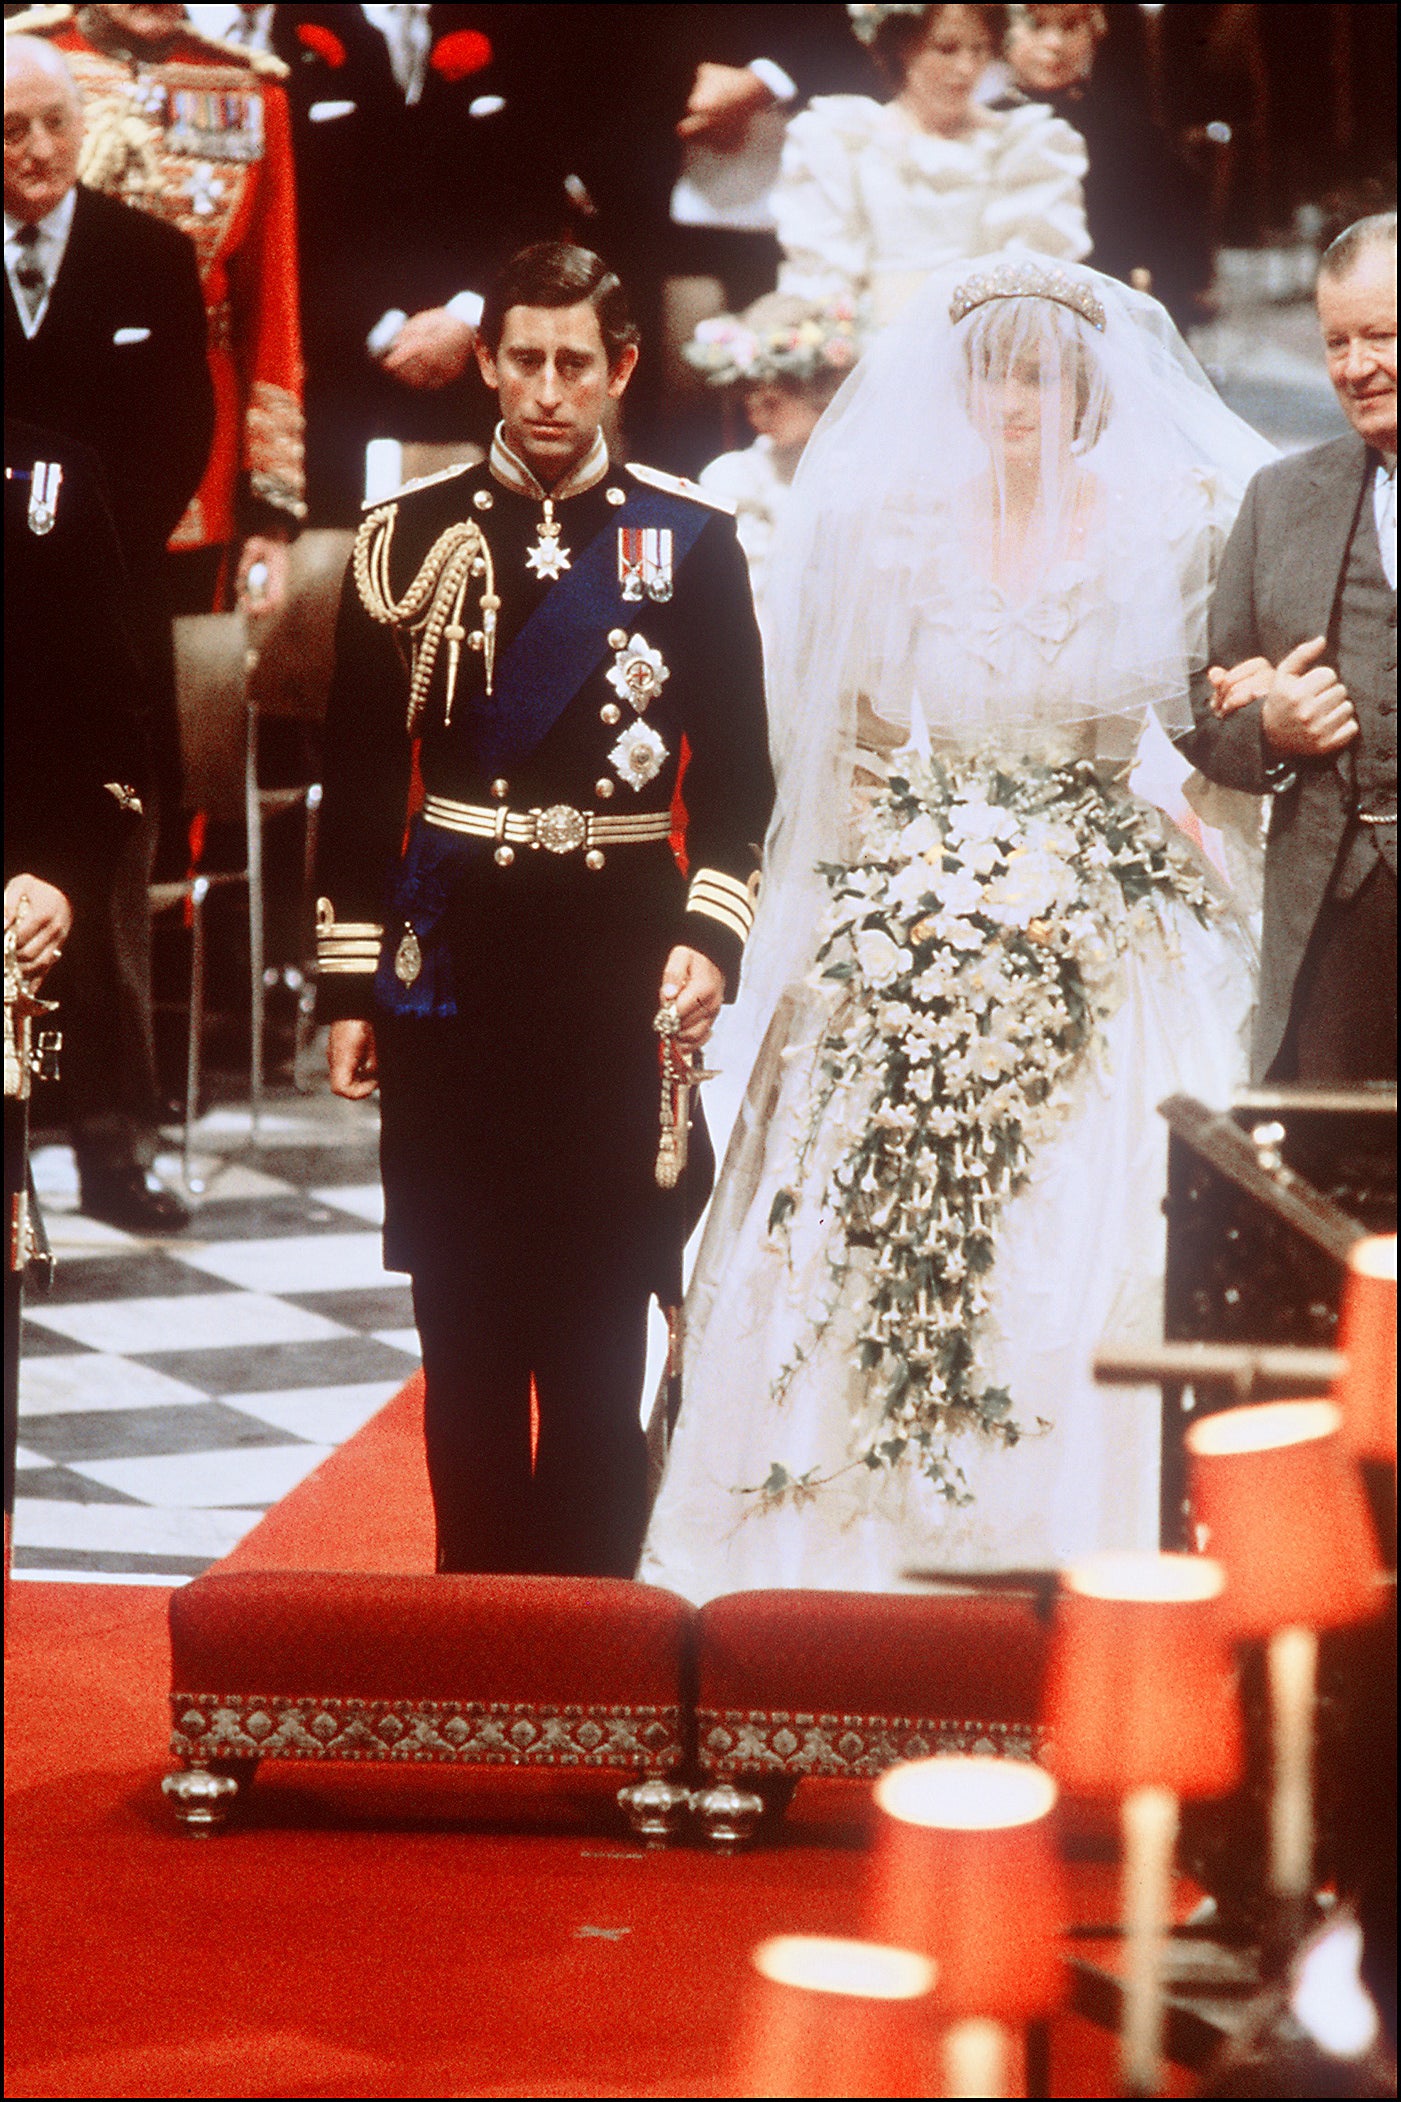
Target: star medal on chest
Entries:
(638, 673)
(645, 563)
(638, 670)
(547, 558)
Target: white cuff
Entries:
(466, 307)
(778, 83)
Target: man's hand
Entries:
(696, 989)
(1306, 711)
(263, 568)
(1243, 683)
(722, 100)
(432, 349)
(41, 917)
(350, 1058)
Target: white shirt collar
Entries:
(510, 469)
(48, 252)
(54, 227)
(406, 32)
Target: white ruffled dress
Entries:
(867, 204)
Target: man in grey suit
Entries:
(1300, 700)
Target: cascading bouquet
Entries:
(968, 949)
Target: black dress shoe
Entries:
(133, 1199)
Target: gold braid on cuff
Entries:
(723, 898)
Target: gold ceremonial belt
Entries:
(559, 830)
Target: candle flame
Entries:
(966, 1795)
(867, 1970)
(1153, 1579)
(1263, 1427)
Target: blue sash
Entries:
(566, 637)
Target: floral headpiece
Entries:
(1026, 281)
(867, 21)
(813, 343)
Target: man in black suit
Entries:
(425, 157)
(105, 343)
(74, 760)
(643, 85)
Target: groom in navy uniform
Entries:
(540, 648)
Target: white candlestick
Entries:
(975, 2059)
(1150, 1835)
(1293, 1678)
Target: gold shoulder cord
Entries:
(431, 608)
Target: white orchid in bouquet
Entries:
(967, 950)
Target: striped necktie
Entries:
(29, 271)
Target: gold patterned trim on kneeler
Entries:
(469, 1733)
(723, 898)
(736, 1741)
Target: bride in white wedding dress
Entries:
(979, 962)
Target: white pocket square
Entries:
(327, 112)
(132, 335)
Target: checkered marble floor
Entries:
(172, 1390)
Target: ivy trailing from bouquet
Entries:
(967, 951)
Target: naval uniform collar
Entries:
(508, 468)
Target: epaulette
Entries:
(421, 481)
(677, 485)
(36, 20)
(265, 63)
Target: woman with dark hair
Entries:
(874, 195)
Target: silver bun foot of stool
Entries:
(654, 1808)
(202, 1799)
(728, 1814)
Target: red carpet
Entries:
(366, 1508)
(420, 1932)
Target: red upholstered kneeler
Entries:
(472, 1670)
(847, 1683)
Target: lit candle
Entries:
(1150, 1835)
(975, 2059)
(1293, 1663)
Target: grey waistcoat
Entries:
(1365, 647)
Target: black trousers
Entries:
(579, 1508)
(1342, 1020)
(109, 1056)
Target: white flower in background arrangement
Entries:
(638, 673)
(639, 755)
(952, 1032)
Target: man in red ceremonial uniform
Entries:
(197, 133)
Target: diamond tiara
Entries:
(1026, 281)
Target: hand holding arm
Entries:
(1306, 712)
(1238, 686)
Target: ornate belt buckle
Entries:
(560, 829)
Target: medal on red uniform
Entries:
(645, 562)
